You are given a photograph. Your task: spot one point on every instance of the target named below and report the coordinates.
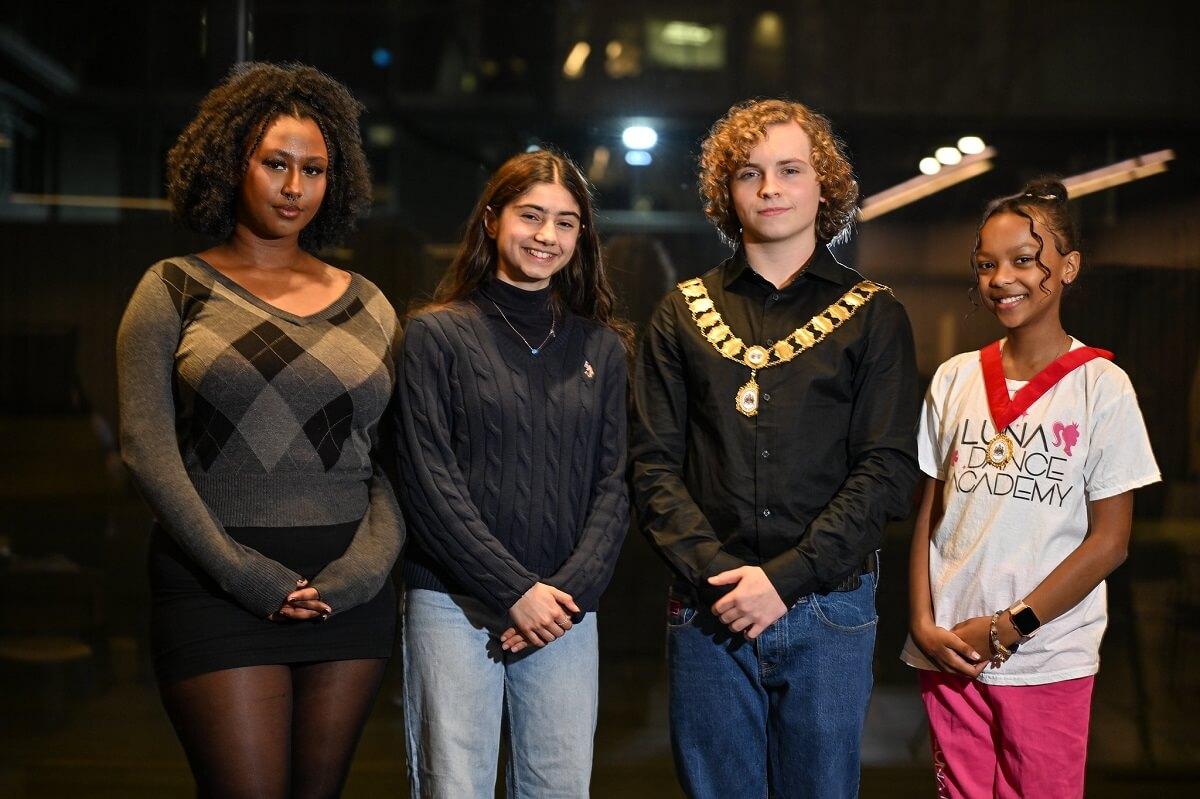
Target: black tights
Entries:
(273, 731)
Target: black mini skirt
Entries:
(195, 627)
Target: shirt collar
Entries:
(821, 264)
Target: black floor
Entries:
(116, 742)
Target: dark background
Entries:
(93, 95)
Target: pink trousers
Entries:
(1007, 741)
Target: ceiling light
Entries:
(921, 186)
(573, 66)
(639, 137)
(971, 145)
(948, 155)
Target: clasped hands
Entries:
(303, 604)
(540, 616)
(966, 647)
(752, 605)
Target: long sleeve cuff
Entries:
(721, 562)
(791, 575)
(262, 587)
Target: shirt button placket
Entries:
(761, 436)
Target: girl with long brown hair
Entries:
(512, 432)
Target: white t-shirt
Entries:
(1005, 529)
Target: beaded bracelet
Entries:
(1000, 652)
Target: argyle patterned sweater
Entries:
(236, 413)
(512, 464)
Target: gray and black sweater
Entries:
(235, 413)
(512, 464)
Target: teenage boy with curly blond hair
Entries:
(775, 403)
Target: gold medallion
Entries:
(756, 356)
(747, 398)
(999, 450)
(714, 329)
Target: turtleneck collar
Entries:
(518, 300)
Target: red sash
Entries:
(1004, 410)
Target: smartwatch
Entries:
(1024, 619)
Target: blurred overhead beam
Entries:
(45, 69)
(1143, 166)
(92, 201)
(922, 186)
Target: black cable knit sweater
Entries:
(512, 464)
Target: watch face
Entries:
(1026, 621)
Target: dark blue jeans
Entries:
(781, 716)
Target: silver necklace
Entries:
(532, 349)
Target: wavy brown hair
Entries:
(582, 286)
(728, 146)
(206, 166)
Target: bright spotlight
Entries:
(929, 166)
(638, 158)
(947, 155)
(971, 145)
(639, 137)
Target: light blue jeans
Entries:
(461, 690)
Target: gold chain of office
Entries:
(714, 329)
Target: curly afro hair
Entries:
(206, 166)
(734, 135)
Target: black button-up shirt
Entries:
(804, 488)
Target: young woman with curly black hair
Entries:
(252, 380)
